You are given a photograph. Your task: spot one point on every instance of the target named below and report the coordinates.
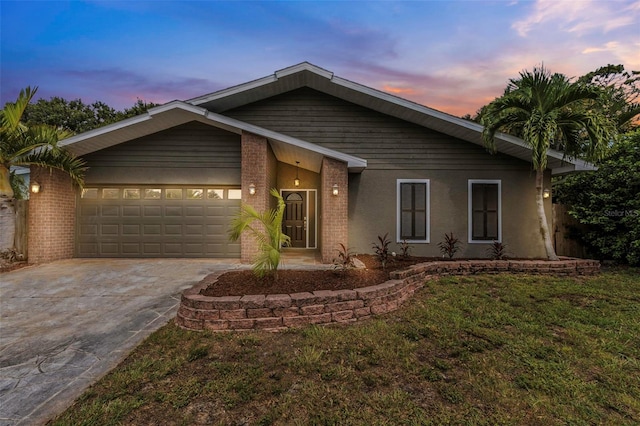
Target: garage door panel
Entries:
(152, 249)
(109, 249)
(109, 211)
(194, 229)
(152, 211)
(90, 210)
(110, 230)
(215, 230)
(131, 248)
(173, 249)
(131, 211)
(175, 211)
(112, 226)
(173, 229)
(152, 230)
(89, 230)
(194, 211)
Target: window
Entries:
(110, 193)
(89, 193)
(485, 215)
(195, 194)
(413, 210)
(131, 194)
(152, 193)
(173, 194)
(215, 194)
(234, 194)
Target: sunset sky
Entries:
(454, 56)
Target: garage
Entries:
(156, 221)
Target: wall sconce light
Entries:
(334, 189)
(296, 181)
(252, 189)
(546, 193)
(35, 187)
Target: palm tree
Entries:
(547, 110)
(22, 145)
(268, 233)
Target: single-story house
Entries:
(351, 162)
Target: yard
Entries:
(490, 349)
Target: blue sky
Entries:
(454, 56)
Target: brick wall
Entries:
(333, 209)
(255, 170)
(52, 214)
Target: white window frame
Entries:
(470, 210)
(399, 183)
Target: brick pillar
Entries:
(52, 216)
(255, 170)
(333, 209)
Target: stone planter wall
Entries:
(279, 311)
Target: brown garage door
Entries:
(154, 221)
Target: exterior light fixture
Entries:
(296, 181)
(546, 193)
(334, 189)
(252, 189)
(35, 187)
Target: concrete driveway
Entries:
(65, 324)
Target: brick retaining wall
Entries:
(280, 311)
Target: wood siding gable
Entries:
(386, 142)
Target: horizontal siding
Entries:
(190, 145)
(186, 153)
(384, 141)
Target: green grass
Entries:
(506, 349)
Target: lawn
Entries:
(500, 349)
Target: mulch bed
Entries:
(289, 281)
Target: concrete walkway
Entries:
(65, 324)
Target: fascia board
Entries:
(232, 90)
(304, 66)
(105, 129)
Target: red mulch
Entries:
(239, 283)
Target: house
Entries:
(350, 161)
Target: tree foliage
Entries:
(76, 116)
(549, 110)
(621, 94)
(607, 201)
(25, 145)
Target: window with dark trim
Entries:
(413, 210)
(484, 211)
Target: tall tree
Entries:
(549, 110)
(621, 94)
(22, 145)
(76, 116)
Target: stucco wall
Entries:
(372, 210)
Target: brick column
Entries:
(255, 170)
(333, 209)
(52, 216)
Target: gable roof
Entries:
(209, 109)
(286, 148)
(309, 75)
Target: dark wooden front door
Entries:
(295, 218)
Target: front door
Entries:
(295, 217)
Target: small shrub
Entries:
(381, 248)
(404, 249)
(450, 245)
(344, 261)
(497, 251)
